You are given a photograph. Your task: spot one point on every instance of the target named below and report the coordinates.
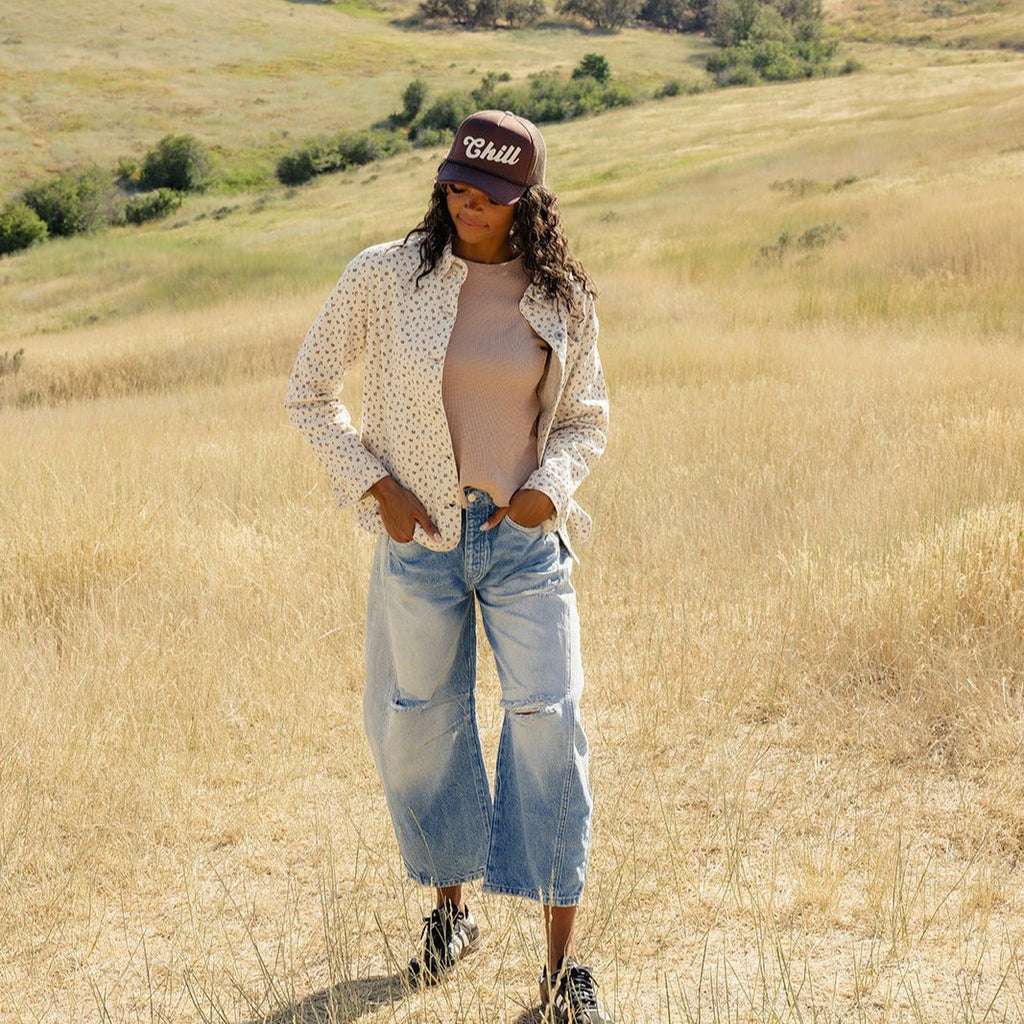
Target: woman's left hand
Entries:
(527, 508)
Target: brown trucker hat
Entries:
(497, 152)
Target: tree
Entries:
(518, 13)
(459, 11)
(179, 162)
(485, 13)
(678, 15)
(602, 14)
(412, 100)
(595, 66)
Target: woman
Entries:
(484, 406)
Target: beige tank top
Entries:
(493, 369)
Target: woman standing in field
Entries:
(484, 407)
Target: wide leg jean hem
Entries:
(548, 899)
(443, 883)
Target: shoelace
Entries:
(439, 926)
(578, 981)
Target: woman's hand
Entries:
(401, 510)
(527, 508)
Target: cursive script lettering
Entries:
(481, 149)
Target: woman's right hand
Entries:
(401, 510)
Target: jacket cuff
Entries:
(547, 481)
(352, 484)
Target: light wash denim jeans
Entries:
(533, 839)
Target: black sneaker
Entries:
(449, 934)
(572, 998)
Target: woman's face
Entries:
(482, 226)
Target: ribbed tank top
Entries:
(493, 369)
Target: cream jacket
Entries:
(378, 316)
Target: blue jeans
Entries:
(533, 838)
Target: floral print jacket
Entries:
(377, 315)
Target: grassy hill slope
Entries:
(803, 606)
(81, 83)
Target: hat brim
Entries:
(501, 191)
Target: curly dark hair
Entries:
(537, 234)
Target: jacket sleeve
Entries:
(580, 421)
(335, 343)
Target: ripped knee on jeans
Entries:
(401, 702)
(523, 709)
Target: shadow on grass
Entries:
(350, 1000)
(346, 1001)
(533, 1016)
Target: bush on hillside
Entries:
(444, 115)
(485, 13)
(547, 97)
(609, 15)
(152, 205)
(412, 101)
(593, 65)
(772, 41)
(521, 13)
(178, 162)
(677, 15)
(20, 227)
(73, 202)
(337, 153)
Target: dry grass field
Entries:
(803, 606)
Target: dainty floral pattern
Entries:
(377, 315)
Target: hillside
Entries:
(108, 80)
(803, 605)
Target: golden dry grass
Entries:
(804, 606)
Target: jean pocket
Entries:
(528, 531)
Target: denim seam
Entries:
(563, 810)
(550, 899)
(420, 879)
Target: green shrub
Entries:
(674, 15)
(602, 14)
(485, 13)
(73, 202)
(459, 11)
(152, 205)
(775, 62)
(593, 65)
(768, 40)
(412, 100)
(337, 153)
(20, 227)
(670, 87)
(178, 162)
(521, 13)
(547, 97)
(296, 168)
(128, 172)
(738, 75)
(428, 138)
(446, 113)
